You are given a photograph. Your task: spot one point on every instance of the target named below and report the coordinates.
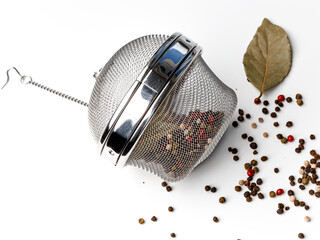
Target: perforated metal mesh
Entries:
(187, 126)
(116, 78)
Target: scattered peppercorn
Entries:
(164, 184)
(277, 109)
(235, 158)
(207, 188)
(280, 191)
(281, 98)
(170, 209)
(249, 199)
(272, 194)
(215, 219)
(235, 124)
(254, 125)
(265, 134)
(141, 220)
(253, 145)
(289, 124)
(290, 138)
(260, 120)
(213, 189)
(276, 124)
(259, 181)
(238, 188)
(298, 96)
(289, 99)
(240, 118)
(244, 136)
(265, 102)
(250, 172)
(250, 139)
(264, 158)
(248, 116)
(307, 218)
(169, 189)
(222, 200)
(279, 136)
(301, 235)
(241, 112)
(284, 140)
(265, 110)
(254, 162)
(276, 170)
(247, 166)
(273, 115)
(173, 235)
(280, 211)
(260, 196)
(154, 219)
(234, 151)
(312, 137)
(300, 102)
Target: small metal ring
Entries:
(26, 79)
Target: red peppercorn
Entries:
(281, 98)
(250, 172)
(257, 101)
(280, 191)
(290, 138)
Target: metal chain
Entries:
(28, 80)
(60, 94)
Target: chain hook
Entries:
(23, 79)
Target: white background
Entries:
(54, 185)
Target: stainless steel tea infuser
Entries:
(156, 105)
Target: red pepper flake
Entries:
(189, 139)
(290, 138)
(211, 119)
(250, 172)
(280, 191)
(281, 98)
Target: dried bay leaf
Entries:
(268, 58)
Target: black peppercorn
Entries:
(265, 110)
(240, 118)
(253, 145)
(235, 124)
(289, 124)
